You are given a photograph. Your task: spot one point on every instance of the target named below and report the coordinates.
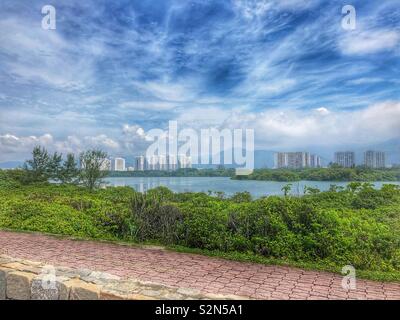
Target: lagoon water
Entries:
(230, 187)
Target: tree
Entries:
(240, 197)
(335, 188)
(311, 190)
(91, 173)
(38, 168)
(69, 170)
(55, 166)
(286, 189)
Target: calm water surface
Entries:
(230, 187)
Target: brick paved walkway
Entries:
(210, 275)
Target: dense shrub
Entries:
(324, 174)
(151, 219)
(358, 225)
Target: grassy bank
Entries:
(310, 174)
(358, 226)
(324, 174)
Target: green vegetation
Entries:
(192, 172)
(92, 174)
(324, 174)
(323, 230)
(357, 225)
(44, 167)
(311, 174)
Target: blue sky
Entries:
(112, 70)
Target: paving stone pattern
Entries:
(190, 271)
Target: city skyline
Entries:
(112, 71)
(373, 159)
(143, 163)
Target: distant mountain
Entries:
(263, 159)
(11, 164)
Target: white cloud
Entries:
(274, 129)
(148, 105)
(11, 142)
(101, 141)
(369, 41)
(292, 129)
(287, 128)
(251, 9)
(134, 131)
(76, 144)
(13, 147)
(322, 111)
(134, 139)
(275, 87)
(362, 81)
(45, 57)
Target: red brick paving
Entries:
(209, 275)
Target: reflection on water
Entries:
(230, 187)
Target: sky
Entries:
(113, 70)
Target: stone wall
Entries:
(29, 280)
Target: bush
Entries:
(152, 219)
(358, 226)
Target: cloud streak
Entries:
(285, 68)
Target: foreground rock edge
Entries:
(31, 280)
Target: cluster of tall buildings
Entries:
(375, 159)
(163, 163)
(297, 160)
(372, 159)
(345, 159)
(142, 163)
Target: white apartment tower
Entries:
(153, 163)
(374, 159)
(172, 162)
(345, 159)
(119, 164)
(162, 163)
(184, 162)
(315, 161)
(140, 164)
(296, 160)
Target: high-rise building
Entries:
(172, 162)
(296, 160)
(119, 164)
(140, 164)
(315, 161)
(153, 163)
(162, 163)
(345, 159)
(184, 162)
(281, 160)
(374, 159)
